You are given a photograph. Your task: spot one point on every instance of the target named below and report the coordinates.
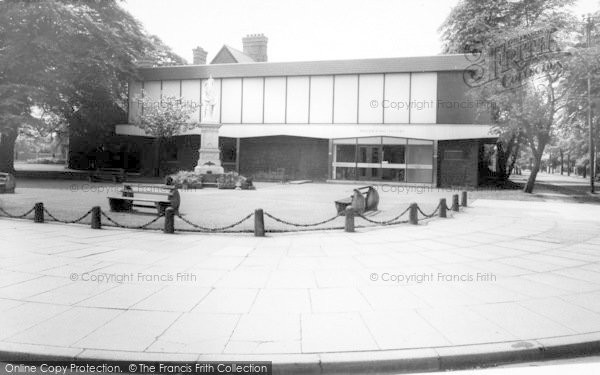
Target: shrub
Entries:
(46, 161)
(188, 179)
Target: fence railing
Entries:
(40, 213)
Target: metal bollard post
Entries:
(38, 213)
(413, 217)
(455, 202)
(349, 223)
(443, 207)
(96, 217)
(463, 201)
(169, 221)
(259, 223)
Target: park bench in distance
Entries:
(159, 197)
(108, 174)
(7, 183)
(363, 199)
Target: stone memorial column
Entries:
(209, 160)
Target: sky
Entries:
(303, 30)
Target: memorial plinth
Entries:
(209, 159)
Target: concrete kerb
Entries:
(381, 362)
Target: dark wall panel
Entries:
(458, 163)
(455, 105)
(293, 157)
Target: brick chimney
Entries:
(199, 56)
(255, 46)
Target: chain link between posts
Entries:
(427, 216)
(143, 226)
(282, 221)
(8, 214)
(201, 228)
(67, 221)
(386, 222)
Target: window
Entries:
(394, 154)
(345, 153)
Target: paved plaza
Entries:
(501, 275)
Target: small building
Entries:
(406, 120)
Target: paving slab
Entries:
(444, 294)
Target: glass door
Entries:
(369, 162)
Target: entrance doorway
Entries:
(369, 162)
(383, 158)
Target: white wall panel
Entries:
(274, 100)
(396, 100)
(231, 97)
(321, 99)
(297, 100)
(152, 92)
(423, 97)
(370, 97)
(252, 106)
(190, 92)
(345, 100)
(135, 106)
(171, 88)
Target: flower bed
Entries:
(193, 180)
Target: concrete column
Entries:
(434, 181)
(237, 155)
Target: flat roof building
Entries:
(408, 120)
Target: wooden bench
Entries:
(108, 174)
(159, 197)
(7, 183)
(362, 199)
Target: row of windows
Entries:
(359, 98)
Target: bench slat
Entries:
(141, 199)
(150, 186)
(167, 193)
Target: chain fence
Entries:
(414, 210)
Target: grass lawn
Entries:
(210, 207)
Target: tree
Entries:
(531, 111)
(479, 28)
(164, 119)
(474, 25)
(72, 59)
(583, 62)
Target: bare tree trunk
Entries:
(534, 171)
(501, 156)
(7, 151)
(562, 162)
(515, 156)
(568, 164)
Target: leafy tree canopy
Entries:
(69, 59)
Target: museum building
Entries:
(406, 120)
